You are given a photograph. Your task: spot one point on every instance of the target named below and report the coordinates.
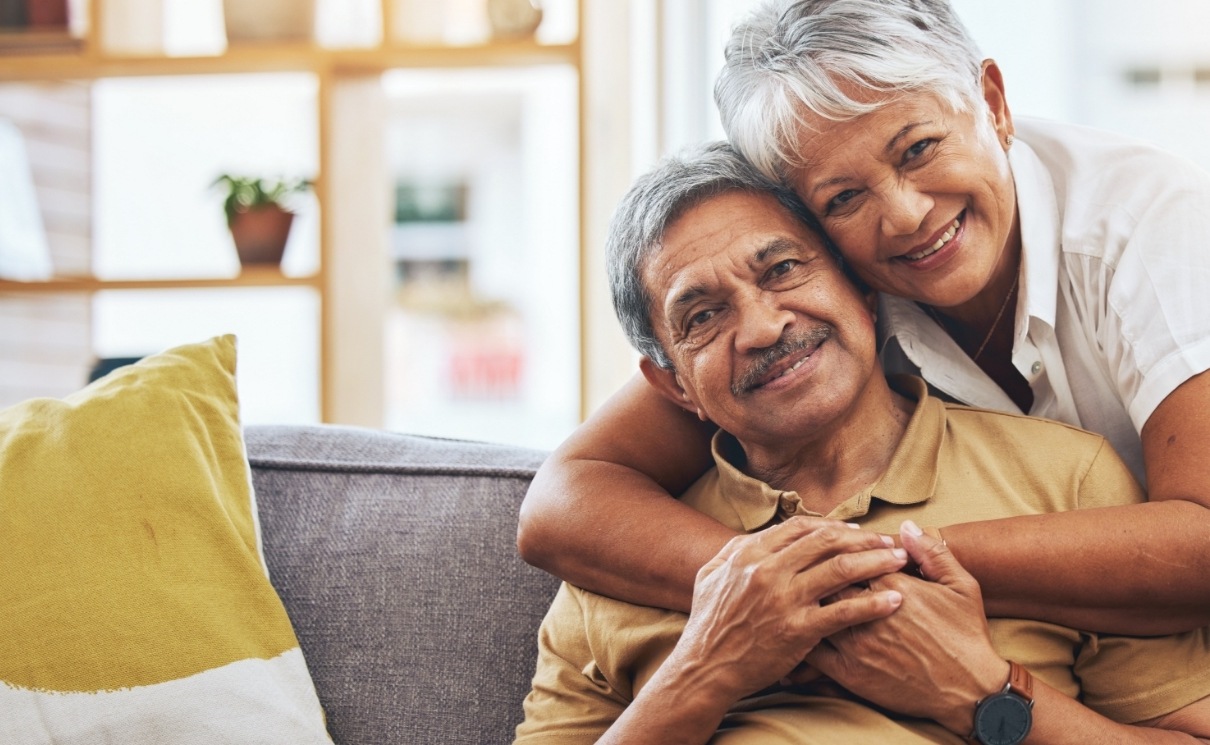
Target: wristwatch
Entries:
(1004, 718)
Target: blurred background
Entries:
(442, 273)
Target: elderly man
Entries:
(746, 319)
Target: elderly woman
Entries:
(1025, 266)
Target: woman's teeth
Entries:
(945, 238)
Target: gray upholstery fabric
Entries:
(396, 558)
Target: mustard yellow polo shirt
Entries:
(955, 464)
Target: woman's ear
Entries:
(669, 385)
(997, 103)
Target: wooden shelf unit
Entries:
(87, 60)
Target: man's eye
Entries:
(781, 268)
(699, 318)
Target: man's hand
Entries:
(758, 605)
(934, 657)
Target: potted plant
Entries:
(258, 215)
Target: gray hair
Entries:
(655, 201)
(794, 58)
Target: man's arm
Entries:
(934, 659)
(756, 610)
(599, 512)
(1193, 719)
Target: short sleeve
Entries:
(1157, 331)
(1131, 679)
(570, 702)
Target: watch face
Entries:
(1003, 719)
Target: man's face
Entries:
(768, 338)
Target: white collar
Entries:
(1038, 211)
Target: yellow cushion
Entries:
(135, 595)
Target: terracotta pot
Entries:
(260, 233)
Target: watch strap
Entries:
(1020, 682)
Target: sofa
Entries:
(395, 556)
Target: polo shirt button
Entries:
(1036, 368)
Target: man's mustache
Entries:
(788, 344)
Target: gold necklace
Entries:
(939, 319)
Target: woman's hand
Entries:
(932, 658)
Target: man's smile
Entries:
(789, 354)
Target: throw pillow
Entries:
(135, 606)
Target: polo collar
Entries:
(910, 478)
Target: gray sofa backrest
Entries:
(396, 558)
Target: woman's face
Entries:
(918, 198)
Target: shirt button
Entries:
(1036, 368)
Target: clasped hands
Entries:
(823, 592)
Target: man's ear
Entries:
(871, 303)
(666, 382)
(997, 103)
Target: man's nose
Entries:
(904, 208)
(763, 321)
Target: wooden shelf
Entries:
(249, 277)
(38, 42)
(280, 57)
(493, 54)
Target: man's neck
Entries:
(842, 459)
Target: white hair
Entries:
(791, 59)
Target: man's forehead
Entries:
(753, 227)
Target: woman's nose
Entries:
(904, 208)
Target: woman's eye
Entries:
(917, 149)
(839, 201)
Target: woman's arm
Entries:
(1138, 569)
(599, 515)
(599, 512)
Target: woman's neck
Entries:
(984, 326)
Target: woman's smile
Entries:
(945, 238)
